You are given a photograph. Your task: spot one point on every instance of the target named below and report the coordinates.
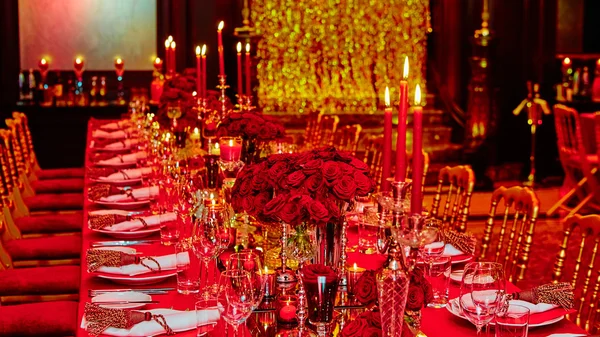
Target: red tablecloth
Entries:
(436, 322)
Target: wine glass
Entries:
(236, 297)
(209, 237)
(432, 251)
(249, 261)
(481, 292)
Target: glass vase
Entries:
(392, 292)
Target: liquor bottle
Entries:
(585, 83)
(94, 91)
(102, 90)
(58, 91)
(30, 85)
(70, 92)
(576, 79)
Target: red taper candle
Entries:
(416, 201)
(401, 138)
(239, 69)
(387, 143)
(198, 73)
(220, 48)
(248, 78)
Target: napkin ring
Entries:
(144, 223)
(99, 319)
(125, 176)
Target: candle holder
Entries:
(120, 70)
(223, 87)
(343, 256)
(285, 277)
(248, 103)
(301, 330)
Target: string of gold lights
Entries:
(337, 56)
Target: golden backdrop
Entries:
(337, 55)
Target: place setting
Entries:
(122, 198)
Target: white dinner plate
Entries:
(139, 280)
(142, 233)
(118, 182)
(116, 165)
(123, 204)
(461, 258)
(131, 296)
(454, 310)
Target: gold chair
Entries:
(512, 251)
(578, 253)
(580, 168)
(461, 181)
(425, 166)
(346, 139)
(312, 124)
(373, 157)
(326, 128)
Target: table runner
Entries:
(435, 322)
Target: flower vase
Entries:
(329, 244)
(249, 151)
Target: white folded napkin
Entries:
(166, 262)
(450, 250)
(125, 144)
(142, 193)
(533, 308)
(130, 158)
(177, 320)
(119, 134)
(134, 173)
(115, 125)
(133, 225)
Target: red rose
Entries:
(331, 171)
(314, 183)
(371, 332)
(295, 179)
(261, 200)
(245, 187)
(235, 115)
(291, 212)
(373, 318)
(277, 170)
(318, 212)
(417, 276)
(332, 207)
(345, 188)
(427, 292)
(275, 205)
(312, 166)
(260, 182)
(415, 299)
(252, 129)
(248, 204)
(365, 289)
(355, 328)
(359, 165)
(364, 184)
(347, 169)
(312, 271)
(327, 153)
(344, 156)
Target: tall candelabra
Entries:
(223, 98)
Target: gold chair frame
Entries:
(515, 254)
(590, 230)
(347, 137)
(463, 178)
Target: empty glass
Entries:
(188, 268)
(249, 261)
(204, 316)
(513, 323)
(368, 229)
(438, 274)
(236, 297)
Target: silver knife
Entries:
(122, 243)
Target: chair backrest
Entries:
(515, 234)
(10, 164)
(460, 181)
(578, 251)
(425, 166)
(373, 156)
(571, 151)
(346, 138)
(19, 144)
(25, 134)
(312, 124)
(327, 126)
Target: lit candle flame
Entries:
(196, 131)
(198, 50)
(221, 25)
(231, 142)
(355, 266)
(418, 95)
(157, 60)
(266, 270)
(203, 50)
(78, 60)
(247, 48)
(167, 43)
(173, 45)
(216, 146)
(598, 62)
(43, 61)
(119, 61)
(387, 97)
(239, 47)
(170, 38)
(567, 61)
(194, 93)
(405, 74)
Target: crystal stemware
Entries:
(235, 297)
(249, 261)
(481, 292)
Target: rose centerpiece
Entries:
(254, 128)
(312, 189)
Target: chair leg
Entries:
(579, 206)
(566, 197)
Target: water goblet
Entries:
(249, 261)
(236, 297)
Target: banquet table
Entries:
(435, 322)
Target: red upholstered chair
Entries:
(15, 179)
(43, 174)
(39, 284)
(39, 319)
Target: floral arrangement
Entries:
(313, 186)
(365, 289)
(251, 125)
(420, 292)
(178, 90)
(367, 324)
